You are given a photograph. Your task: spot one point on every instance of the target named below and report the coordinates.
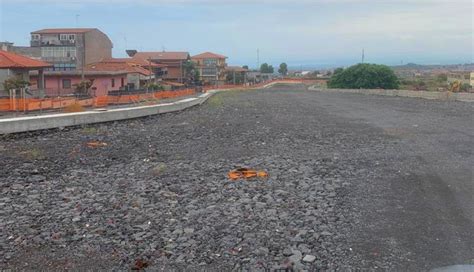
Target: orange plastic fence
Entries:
(31, 104)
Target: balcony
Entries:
(37, 43)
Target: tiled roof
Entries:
(62, 30)
(118, 67)
(170, 83)
(162, 55)
(209, 55)
(138, 61)
(12, 60)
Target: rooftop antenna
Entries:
(363, 55)
(163, 48)
(77, 20)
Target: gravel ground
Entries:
(356, 181)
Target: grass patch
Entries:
(33, 154)
(216, 101)
(90, 130)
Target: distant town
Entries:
(69, 56)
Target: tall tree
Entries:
(283, 70)
(245, 67)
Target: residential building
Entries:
(70, 49)
(159, 70)
(106, 76)
(211, 68)
(137, 76)
(258, 77)
(236, 75)
(472, 79)
(175, 63)
(62, 83)
(14, 65)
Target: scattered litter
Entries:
(140, 264)
(96, 144)
(246, 173)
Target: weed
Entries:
(90, 130)
(216, 101)
(74, 108)
(159, 169)
(33, 154)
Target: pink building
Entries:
(106, 76)
(61, 83)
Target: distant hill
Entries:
(451, 67)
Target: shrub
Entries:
(365, 76)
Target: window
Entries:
(63, 67)
(63, 37)
(35, 37)
(209, 71)
(122, 81)
(58, 52)
(72, 37)
(210, 62)
(66, 84)
(113, 82)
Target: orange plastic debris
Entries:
(96, 144)
(246, 173)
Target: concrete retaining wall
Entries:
(448, 96)
(23, 124)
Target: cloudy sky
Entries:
(299, 32)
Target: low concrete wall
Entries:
(448, 96)
(23, 124)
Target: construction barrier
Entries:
(32, 104)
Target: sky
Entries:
(309, 33)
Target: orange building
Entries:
(211, 68)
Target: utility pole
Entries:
(363, 55)
(258, 59)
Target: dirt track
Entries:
(356, 181)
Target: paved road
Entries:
(356, 181)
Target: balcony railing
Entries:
(36, 43)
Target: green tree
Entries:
(465, 87)
(265, 68)
(365, 76)
(245, 67)
(82, 88)
(283, 70)
(338, 70)
(15, 83)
